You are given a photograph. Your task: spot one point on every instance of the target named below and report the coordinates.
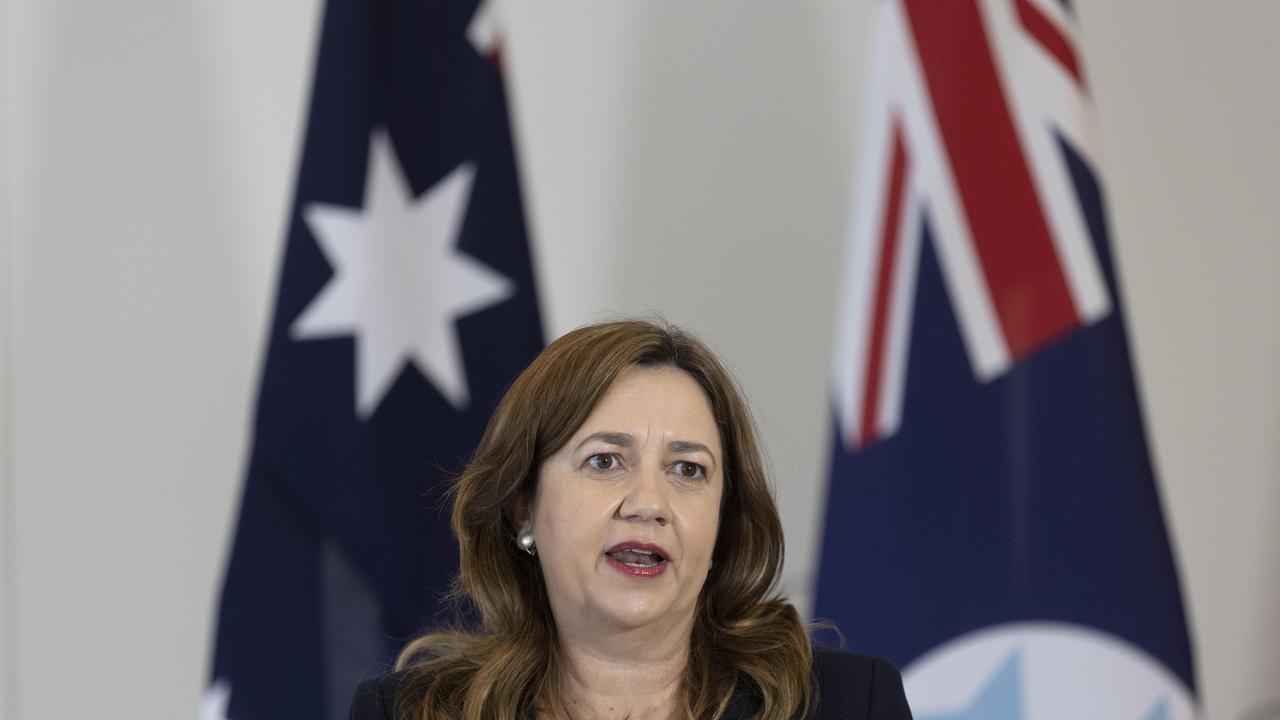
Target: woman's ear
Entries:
(522, 516)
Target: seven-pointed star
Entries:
(399, 282)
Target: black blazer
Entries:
(848, 687)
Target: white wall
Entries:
(154, 147)
(7, 649)
(689, 158)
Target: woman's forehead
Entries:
(644, 402)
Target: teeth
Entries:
(637, 558)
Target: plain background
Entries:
(690, 158)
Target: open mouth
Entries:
(637, 559)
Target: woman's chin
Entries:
(634, 608)
(631, 617)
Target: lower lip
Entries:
(640, 573)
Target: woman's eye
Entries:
(690, 470)
(603, 461)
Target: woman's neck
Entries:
(629, 675)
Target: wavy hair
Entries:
(744, 636)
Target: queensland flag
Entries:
(406, 306)
(993, 524)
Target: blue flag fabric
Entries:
(992, 522)
(406, 306)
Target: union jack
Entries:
(971, 102)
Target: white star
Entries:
(399, 282)
(213, 705)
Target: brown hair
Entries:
(742, 631)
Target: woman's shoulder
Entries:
(375, 699)
(850, 685)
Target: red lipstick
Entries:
(637, 559)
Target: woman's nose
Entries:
(646, 497)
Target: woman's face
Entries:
(626, 513)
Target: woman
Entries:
(620, 546)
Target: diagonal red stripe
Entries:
(1046, 33)
(1010, 233)
(889, 242)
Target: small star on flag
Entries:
(400, 282)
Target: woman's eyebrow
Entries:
(612, 438)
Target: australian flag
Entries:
(993, 524)
(406, 306)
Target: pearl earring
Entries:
(525, 541)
